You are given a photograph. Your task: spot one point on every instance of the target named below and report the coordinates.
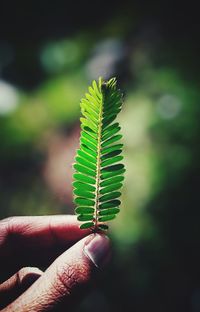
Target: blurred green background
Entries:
(49, 53)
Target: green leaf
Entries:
(113, 168)
(86, 225)
(90, 131)
(111, 140)
(88, 137)
(98, 174)
(111, 148)
(88, 144)
(110, 174)
(90, 104)
(111, 181)
(94, 101)
(110, 188)
(85, 163)
(107, 121)
(111, 161)
(85, 217)
(90, 109)
(85, 186)
(96, 90)
(85, 170)
(109, 196)
(108, 133)
(110, 204)
(103, 227)
(109, 129)
(84, 178)
(91, 116)
(88, 151)
(112, 154)
(88, 123)
(84, 201)
(113, 111)
(87, 156)
(109, 211)
(84, 210)
(106, 218)
(84, 193)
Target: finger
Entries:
(67, 278)
(39, 232)
(35, 241)
(17, 284)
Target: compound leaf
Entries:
(99, 173)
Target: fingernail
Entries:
(97, 249)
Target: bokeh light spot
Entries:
(8, 98)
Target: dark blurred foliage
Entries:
(49, 52)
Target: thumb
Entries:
(66, 279)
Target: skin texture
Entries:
(47, 262)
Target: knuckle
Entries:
(8, 224)
(71, 277)
(12, 228)
(6, 228)
(25, 274)
(22, 273)
(26, 270)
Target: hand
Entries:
(55, 262)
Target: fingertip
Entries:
(67, 228)
(97, 248)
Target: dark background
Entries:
(49, 53)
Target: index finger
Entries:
(38, 231)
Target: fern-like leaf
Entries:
(99, 175)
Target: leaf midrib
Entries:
(98, 173)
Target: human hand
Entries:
(55, 262)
